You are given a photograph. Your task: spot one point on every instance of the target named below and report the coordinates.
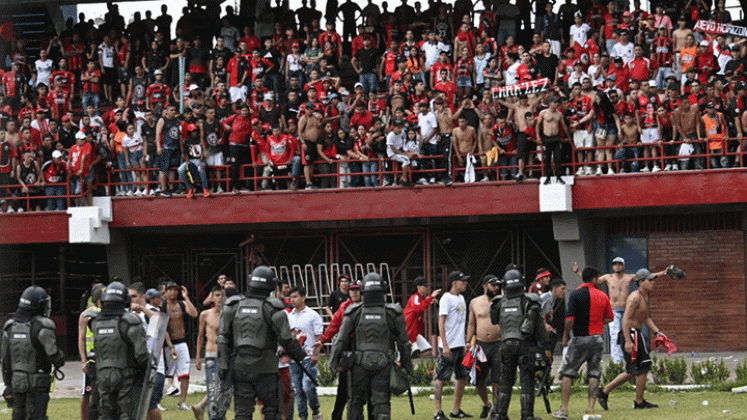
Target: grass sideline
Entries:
(688, 406)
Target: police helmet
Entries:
(513, 282)
(35, 300)
(263, 278)
(373, 283)
(116, 292)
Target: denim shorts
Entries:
(464, 82)
(453, 365)
(136, 157)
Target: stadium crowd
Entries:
(400, 97)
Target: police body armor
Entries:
(511, 318)
(250, 327)
(22, 351)
(113, 349)
(373, 338)
(30, 367)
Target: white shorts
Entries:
(650, 135)
(180, 367)
(237, 93)
(214, 160)
(583, 138)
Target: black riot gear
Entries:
(116, 292)
(28, 353)
(263, 279)
(513, 283)
(373, 290)
(36, 301)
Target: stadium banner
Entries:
(526, 88)
(712, 27)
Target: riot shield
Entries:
(155, 334)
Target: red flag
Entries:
(6, 31)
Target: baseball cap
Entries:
(618, 60)
(662, 26)
(357, 85)
(355, 284)
(151, 293)
(703, 43)
(65, 118)
(295, 45)
(423, 103)
(490, 279)
(652, 83)
(255, 121)
(80, 135)
(627, 14)
(170, 284)
(56, 154)
(157, 72)
(269, 97)
(644, 274)
(399, 123)
(40, 109)
(618, 260)
(709, 105)
(734, 47)
(191, 127)
(421, 281)
(457, 276)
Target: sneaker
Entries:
(183, 407)
(432, 180)
(129, 193)
(161, 408)
(447, 182)
(656, 169)
(219, 190)
(610, 171)
(206, 193)
(172, 390)
(440, 416)
(485, 411)
(587, 170)
(560, 414)
(293, 185)
(422, 181)
(386, 183)
(311, 187)
(675, 167)
(191, 193)
(580, 171)
(644, 404)
(599, 172)
(668, 167)
(20, 210)
(645, 169)
(119, 194)
(485, 179)
(559, 180)
(317, 416)
(244, 190)
(198, 412)
(602, 398)
(519, 177)
(460, 415)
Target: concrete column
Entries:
(118, 255)
(579, 239)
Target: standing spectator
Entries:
(716, 132)
(177, 329)
(207, 345)
(306, 326)
(42, 69)
(80, 157)
(91, 79)
(452, 317)
(541, 282)
(14, 86)
(623, 48)
(107, 66)
(482, 332)
(415, 311)
(661, 55)
(588, 310)
(553, 308)
(548, 26)
(364, 63)
(337, 297)
(59, 99)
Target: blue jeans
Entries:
(55, 203)
(508, 161)
(369, 81)
(200, 168)
(626, 153)
(217, 400)
(304, 389)
(272, 82)
(91, 99)
(372, 178)
(661, 76)
(125, 176)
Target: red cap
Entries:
(40, 109)
(291, 121)
(255, 121)
(627, 14)
(65, 118)
(355, 284)
(191, 127)
(295, 44)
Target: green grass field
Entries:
(686, 405)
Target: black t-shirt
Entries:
(67, 138)
(367, 59)
(225, 53)
(335, 300)
(546, 66)
(343, 145)
(148, 134)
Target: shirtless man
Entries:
(630, 135)
(207, 337)
(637, 360)
(485, 140)
(685, 122)
(445, 128)
(177, 331)
(549, 123)
(680, 39)
(481, 331)
(464, 140)
(308, 132)
(517, 110)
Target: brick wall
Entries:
(705, 311)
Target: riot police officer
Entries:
(121, 352)
(29, 349)
(251, 327)
(375, 327)
(523, 335)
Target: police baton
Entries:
(306, 372)
(412, 405)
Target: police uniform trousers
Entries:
(94, 398)
(248, 387)
(513, 354)
(115, 392)
(32, 404)
(374, 386)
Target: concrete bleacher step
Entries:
(90, 224)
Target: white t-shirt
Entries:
(107, 55)
(230, 35)
(510, 76)
(579, 33)
(599, 81)
(623, 51)
(455, 309)
(428, 123)
(309, 323)
(396, 140)
(43, 71)
(432, 51)
(134, 143)
(480, 65)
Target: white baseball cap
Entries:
(618, 260)
(80, 135)
(56, 154)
